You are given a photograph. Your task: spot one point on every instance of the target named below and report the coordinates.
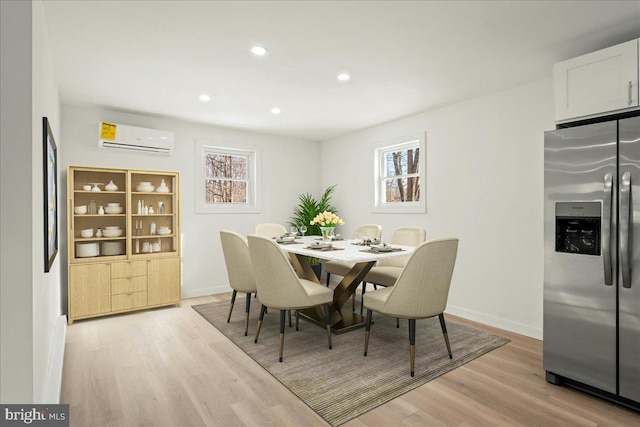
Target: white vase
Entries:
(111, 186)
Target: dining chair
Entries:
(421, 291)
(387, 271)
(239, 270)
(279, 287)
(270, 230)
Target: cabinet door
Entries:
(89, 289)
(602, 81)
(164, 281)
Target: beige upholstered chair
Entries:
(387, 271)
(421, 291)
(239, 270)
(270, 230)
(280, 288)
(373, 231)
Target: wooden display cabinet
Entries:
(135, 263)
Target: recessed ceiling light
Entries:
(275, 110)
(258, 50)
(204, 97)
(343, 77)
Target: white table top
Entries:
(351, 252)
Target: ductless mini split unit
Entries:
(132, 138)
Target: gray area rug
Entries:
(341, 384)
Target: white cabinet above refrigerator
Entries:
(598, 83)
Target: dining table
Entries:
(363, 258)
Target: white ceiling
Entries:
(157, 57)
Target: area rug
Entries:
(341, 384)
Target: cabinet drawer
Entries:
(128, 269)
(128, 301)
(125, 285)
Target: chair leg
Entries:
(367, 331)
(327, 314)
(297, 320)
(364, 289)
(444, 332)
(289, 314)
(412, 344)
(328, 275)
(375, 287)
(246, 314)
(397, 322)
(263, 310)
(282, 315)
(233, 301)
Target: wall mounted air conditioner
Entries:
(124, 137)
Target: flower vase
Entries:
(327, 233)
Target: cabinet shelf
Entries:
(151, 193)
(98, 215)
(98, 239)
(152, 215)
(100, 192)
(153, 236)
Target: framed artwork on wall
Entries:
(50, 174)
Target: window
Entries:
(400, 175)
(227, 179)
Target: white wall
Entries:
(484, 186)
(30, 298)
(288, 167)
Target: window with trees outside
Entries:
(400, 176)
(228, 182)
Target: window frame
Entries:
(226, 148)
(417, 140)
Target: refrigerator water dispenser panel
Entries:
(578, 227)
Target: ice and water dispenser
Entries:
(578, 227)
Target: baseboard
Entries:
(206, 291)
(53, 383)
(497, 322)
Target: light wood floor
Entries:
(170, 367)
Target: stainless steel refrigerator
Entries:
(592, 259)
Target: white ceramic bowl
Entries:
(164, 232)
(113, 210)
(112, 227)
(86, 187)
(162, 190)
(84, 250)
(114, 205)
(145, 189)
(112, 233)
(87, 232)
(144, 184)
(80, 210)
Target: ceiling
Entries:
(157, 57)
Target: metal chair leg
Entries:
(412, 344)
(246, 314)
(289, 314)
(367, 331)
(328, 275)
(233, 301)
(297, 320)
(444, 332)
(327, 314)
(364, 289)
(263, 310)
(282, 318)
(397, 322)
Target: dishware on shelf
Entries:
(114, 205)
(113, 210)
(99, 232)
(152, 228)
(95, 186)
(86, 233)
(145, 247)
(164, 232)
(101, 211)
(111, 248)
(86, 187)
(85, 250)
(92, 208)
(111, 186)
(150, 210)
(161, 209)
(112, 233)
(80, 210)
(156, 246)
(112, 227)
(162, 188)
(144, 187)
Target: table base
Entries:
(349, 321)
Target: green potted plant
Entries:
(306, 210)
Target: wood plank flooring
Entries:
(170, 367)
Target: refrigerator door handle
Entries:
(625, 205)
(606, 229)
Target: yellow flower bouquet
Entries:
(327, 219)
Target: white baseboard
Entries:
(497, 322)
(53, 382)
(206, 291)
